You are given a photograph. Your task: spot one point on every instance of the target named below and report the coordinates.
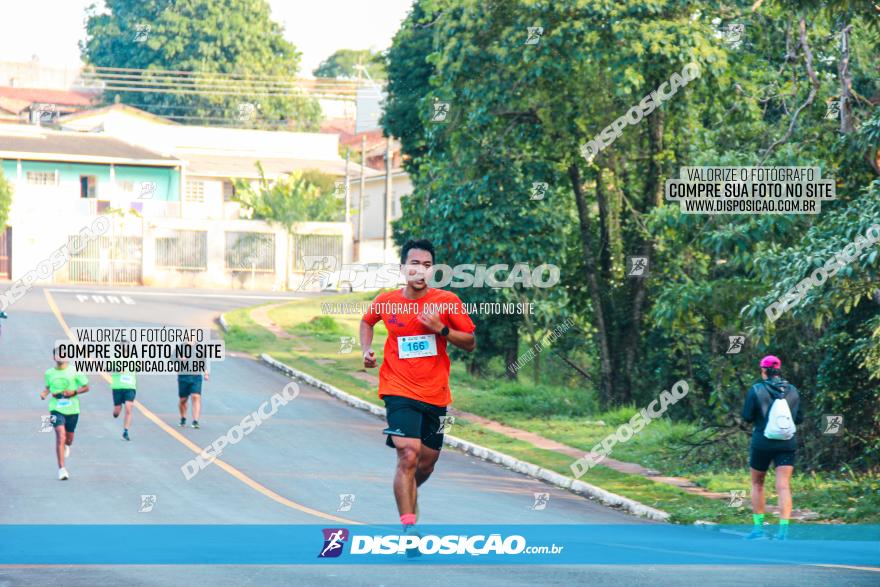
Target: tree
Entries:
(342, 64)
(287, 201)
(210, 39)
(519, 112)
(5, 200)
(719, 274)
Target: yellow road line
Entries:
(198, 450)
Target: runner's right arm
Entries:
(370, 318)
(367, 343)
(748, 413)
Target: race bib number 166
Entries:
(421, 345)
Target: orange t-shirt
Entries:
(421, 378)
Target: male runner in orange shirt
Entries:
(414, 378)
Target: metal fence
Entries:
(187, 250)
(250, 251)
(105, 259)
(315, 245)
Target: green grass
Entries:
(565, 414)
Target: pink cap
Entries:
(771, 361)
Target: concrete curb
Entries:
(488, 454)
(222, 322)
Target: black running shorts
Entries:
(188, 385)
(759, 459)
(411, 418)
(121, 396)
(67, 420)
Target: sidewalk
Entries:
(261, 316)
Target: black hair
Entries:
(421, 244)
(772, 371)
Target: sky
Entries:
(316, 27)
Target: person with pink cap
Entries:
(775, 442)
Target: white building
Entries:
(173, 222)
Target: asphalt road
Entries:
(290, 470)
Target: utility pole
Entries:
(347, 187)
(360, 235)
(388, 196)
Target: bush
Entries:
(322, 325)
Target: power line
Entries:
(236, 76)
(214, 83)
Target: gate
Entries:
(115, 260)
(316, 245)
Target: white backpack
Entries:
(780, 425)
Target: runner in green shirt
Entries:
(124, 386)
(63, 385)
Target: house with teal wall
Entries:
(62, 181)
(86, 172)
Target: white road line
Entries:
(99, 299)
(174, 294)
(849, 567)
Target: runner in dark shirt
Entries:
(764, 450)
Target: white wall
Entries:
(211, 207)
(35, 237)
(216, 274)
(374, 203)
(372, 251)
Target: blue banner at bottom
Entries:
(436, 544)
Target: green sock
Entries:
(758, 519)
(783, 522)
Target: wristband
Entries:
(445, 332)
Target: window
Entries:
(126, 186)
(195, 191)
(228, 191)
(88, 185)
(45, 178)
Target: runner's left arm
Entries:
(799, 412)
(463, 340)
(82, 383)
(461, 328)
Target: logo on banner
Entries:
(334, 539)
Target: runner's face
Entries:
(417, 268)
